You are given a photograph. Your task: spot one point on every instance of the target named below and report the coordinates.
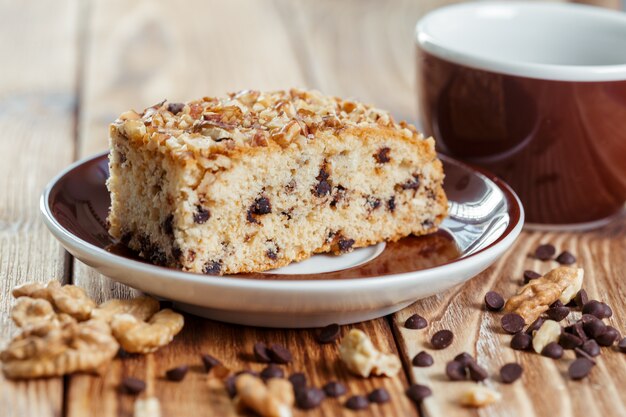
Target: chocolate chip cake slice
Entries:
(253, 181)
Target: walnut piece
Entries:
(54, 349)
(562, 283)
(68, 299)
(139, 336)
(274, 400)
(142, 308)
(362, 358)
(479, 396)
(147, 407)
(29, 311)
(549, 332)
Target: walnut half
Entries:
(362, 358)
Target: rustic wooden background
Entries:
(70, 67)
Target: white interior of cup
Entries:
(549, 41)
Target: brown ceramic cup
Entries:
(536, 93)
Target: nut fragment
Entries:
(142, 308)
(549, 332)
(562, 283)
(138, 336)
(68, 299)
(30, 311)
(274, 400)
(147, 407)
(479, 396)
(362, 358)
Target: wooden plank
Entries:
(544, 389)
(37, 98)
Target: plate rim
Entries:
(66, 238)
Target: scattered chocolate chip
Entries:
(175, 108)
(345, 244)
(476, 372)
(279, 354)
(552, 350)
(272, 371)
(132, 385)
(329, 333)
(177, 374)
(557, 303)
(231, 388)
(591, 347)
(415, 322)
(309, 398)
(391, 204)
(212, 268)
(422, 359)
(594, 328)
(608, 337)
(581, 298)
(382, 156)
(494, 301)
(535, 325)
(586, 318)
(512, 323)
(323, 186)
(261, 352)
(201, 215)
(577, 330)
(607, 311)
(530, 275)
(595, 308)
(582, 354)
(510, 372)
(622, 345)
(442, 339)
(569, 341)
(464, 358)
(521, 341)
(579, 368)
(357, 402)
(298, 381)
(545, 252)
(168, 225)
(379, 396)
(209, 362)
(557, 313)
(417, 393)
(334, 389)
(566, 258)
(261, 206)
(455, 371)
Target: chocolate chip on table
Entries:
(582, 354)
(357, 402)
(512, 323)
(175, 108)
(579, 368)
(417, 393)
(594, 328)
(177, 374)
(201, 215)
(557, 303)
(591, 347)
(476, 372)
(379, 396)
(510, 372)
(329, 333)
(272, 371)
(415, 322)
(545, 252)
(597, 309)
(334, 389)
(456, 371)
(309, 398)
(622, 345)
(557, 313)
(231, 388)
(298, 381)
(261, 352)
(209, 362)
(535, 325)
(494, 301)
(581, 298)
(530, 275)
(464, 358)
(577, 330)
(132, 385)
(570, 341)
(566, 258)
(422, 360)
(521, 341)
(553, 350)
(608, 337)
(442, 339)
(279, 354)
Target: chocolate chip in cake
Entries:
(177, 374)
(442, 339)
(521, 341)
(570, 341)
(279, 354)
(382, 156)
(608, 337)
(512, 323)
(272, 371)
(417, 393)
(373, 202)
(476, 372)
(357, 402)
(338, 195)
(345, 245)
(566, 258)
(329, 333)
(511, 372)
(455, 371)
(212, 268)
(494, 301)
(175, 108)
(209, 362)
(201, 215)
(391, 204)
(261, 206)
(557, 313)
(132, 385)
(335, 389)
(552, 350)
(530, 275)
(309, 398)
(298, 381)
(261, 352)
(545, 252)
(415, 322)
(423, 360)
(379, 396)
(411, 184)
(323, 186)
(271, 253)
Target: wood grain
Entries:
(37, 98)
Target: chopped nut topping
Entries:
(549, 332)
(362, 358)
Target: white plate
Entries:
(485, 219)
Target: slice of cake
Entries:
(253, 181)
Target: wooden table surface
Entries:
(70, 67)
